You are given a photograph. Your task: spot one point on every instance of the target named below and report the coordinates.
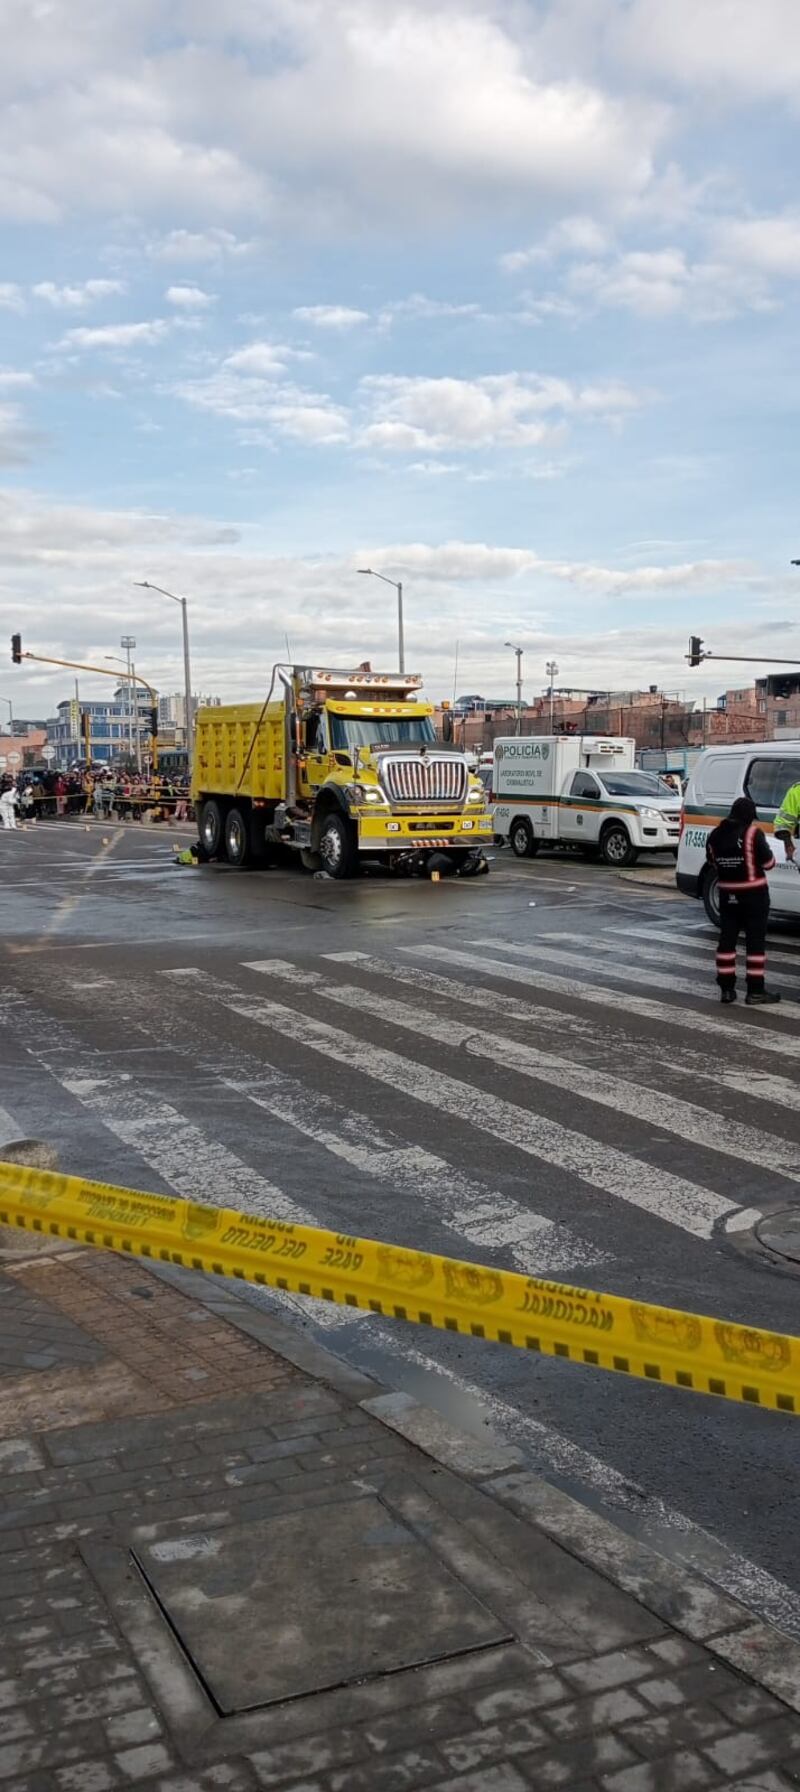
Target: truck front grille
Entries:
(428, 780)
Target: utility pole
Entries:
(552, 672)
(136, 729)
(368, 573)
(518, 651)
(128, 642)
(188, 699)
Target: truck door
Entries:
(314, 754)
(581, 814)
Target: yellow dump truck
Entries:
(341, 767)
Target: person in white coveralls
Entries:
(8, 807)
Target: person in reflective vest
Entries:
(787, 820)
(741, 856)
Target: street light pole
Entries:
(128, 642)
(518, 651)
(188, 700)
(10, 713)
(552, 672)
(368, 573)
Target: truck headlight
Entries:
(476, 796)
(652, 815)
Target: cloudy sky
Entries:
(496, 296)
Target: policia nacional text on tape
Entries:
(605, 1331)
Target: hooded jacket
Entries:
(739, 851)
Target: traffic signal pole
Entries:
(44, 659)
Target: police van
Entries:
(582, 791)
(762, 770)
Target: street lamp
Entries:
(552, 672)
(188, 701)
(10, 713)
(518, 651)
(368, 573)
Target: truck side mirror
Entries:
(447, 725)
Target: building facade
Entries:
(172, 712)
(111, 726)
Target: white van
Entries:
(581, 791)
(763, 770)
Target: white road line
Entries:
(755, 1037)
(687, 1120)
(627, 973)
(475, 996)
(672, 1198)
(652, 978)
(194, 1165)
(774, 955)
(689, 1543)
(474, 1210)
(9, 1128)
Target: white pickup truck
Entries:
(583, 791)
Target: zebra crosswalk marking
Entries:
(682, 943)
(757, 1038)
(638, 949)
(475, 1211)
(687, 1120)
(188, 1160)
(673, 1198)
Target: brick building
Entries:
(653, 717)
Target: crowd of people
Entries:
(103, 795)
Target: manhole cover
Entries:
(780, 1232)
(289, 1605)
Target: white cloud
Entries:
(515, 410)
(262, 358)
(331, 317)
(308, 115)
(76, 298)
(116, 336)
(17, 440)
(12, 297)
(658, 283)
(769, 245)
(576, 236)
(12, 376)
(418, 305)
(303, 421)
(732, 48)
(189, 298)
(197, 246)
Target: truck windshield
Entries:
(638, 784)
(380, 731)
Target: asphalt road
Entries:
(529, 1069)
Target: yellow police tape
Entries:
(685, 1350)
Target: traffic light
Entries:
(16, 649)
(154, 720)
(695, 655)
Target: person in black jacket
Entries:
(741, 856)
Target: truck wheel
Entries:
(210, 829)
(711, 897)
(237, 841)
(336, 847)
(522, 838)
(616, 848)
